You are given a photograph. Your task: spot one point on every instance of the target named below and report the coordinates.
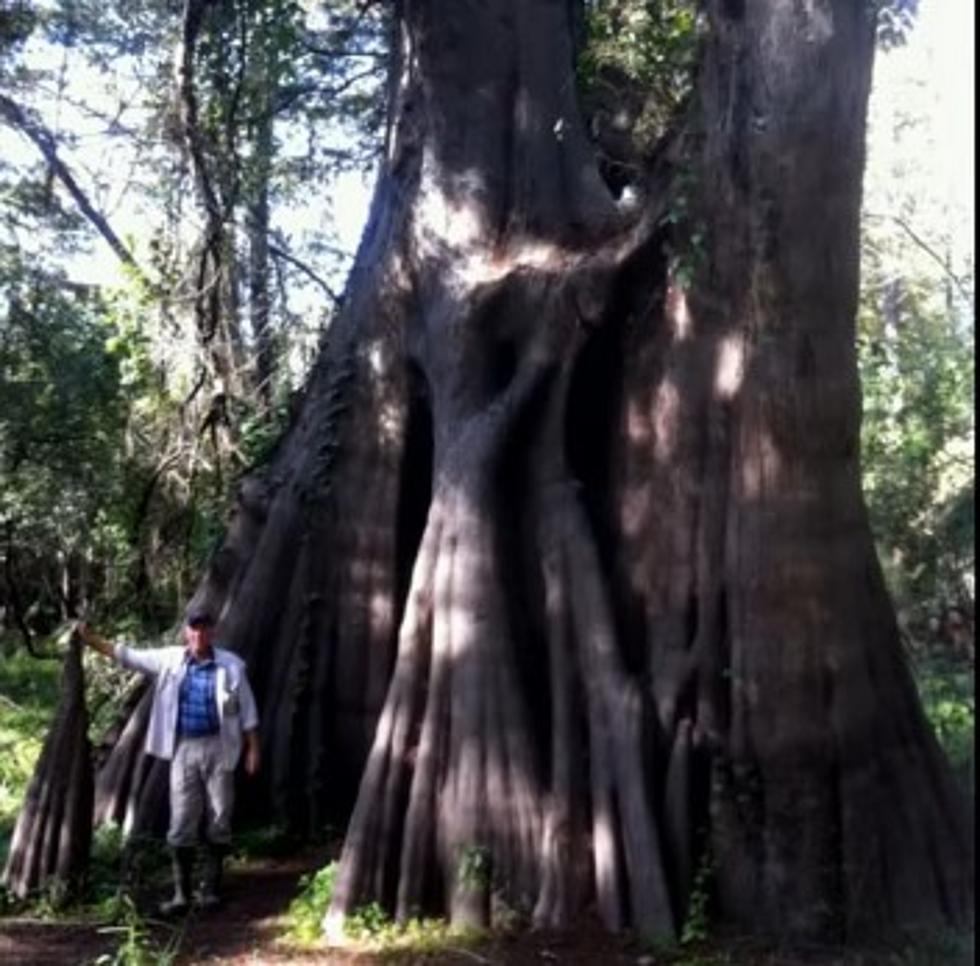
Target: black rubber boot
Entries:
(212, 874)
(183, 865)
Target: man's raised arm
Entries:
(145, 661)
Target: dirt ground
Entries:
(248, 929)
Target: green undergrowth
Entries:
(306, 911)
(947, 689)
(137, 944)
(369, 928)
(119, 872)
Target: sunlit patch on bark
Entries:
(730, 366)
(637, 423)
(678, 312)
(761, 467)
(666, 409)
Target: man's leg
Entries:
(186, 803)
(220, 794)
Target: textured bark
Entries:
(560, 587)
(748, 569)
(50, 845)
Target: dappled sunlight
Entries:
(634, 511)
(450, 214)
(468, 609)
(391, 422)
(451, 220)
(381, 611)
(678, 312)
(638, 425)
(666, 410)
(376, 357)
(604, 849)
(389, 411)
(334, 933)
(730, 367)
(761, 467)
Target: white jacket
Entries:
(233, 695)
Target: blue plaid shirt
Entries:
(197, 710)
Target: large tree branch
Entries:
(45, 142)
(927, 248)
(276, 252)
(290, 95)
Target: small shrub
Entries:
(137, 946)
(697, 924)
(946, 688)
(369, 926)
(307, 910)
(369, 922)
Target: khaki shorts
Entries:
(200, 785)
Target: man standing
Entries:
(203, 713)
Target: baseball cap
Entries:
(200, 617)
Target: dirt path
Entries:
(247, 929)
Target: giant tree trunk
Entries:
(563, 568)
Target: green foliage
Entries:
(368, 922)
(17, 21)
(369, 926)
(917, 373)
(105, 867)
(697, 924)
(650, 43)
(916, 357)
(306, 911)
(946, 687)
(61, 426)
(137, 945)
(120, 429)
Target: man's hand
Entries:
(253, 756)
(93, 640)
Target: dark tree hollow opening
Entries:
(415, 492)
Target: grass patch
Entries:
(137, 945)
